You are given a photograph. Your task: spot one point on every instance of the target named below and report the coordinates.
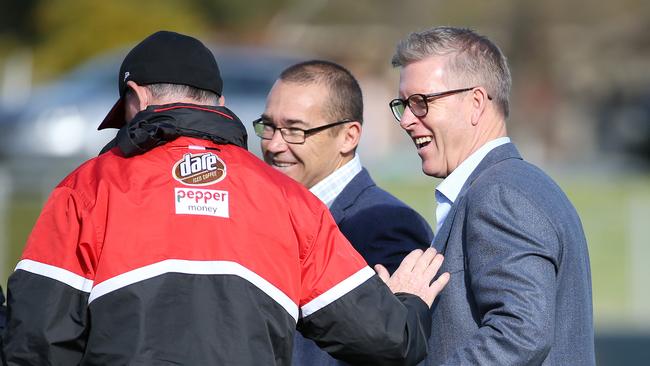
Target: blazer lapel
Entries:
(498, 154)
(440, 238)
(350, 193)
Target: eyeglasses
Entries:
(419, 103)
(265, 130)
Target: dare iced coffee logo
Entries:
(199, 169)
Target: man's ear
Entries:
(144, 97)
(351, 135)
(221, 101)
(480, 99)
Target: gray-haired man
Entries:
(520, 292)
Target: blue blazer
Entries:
(3, 313)
(3, 321)
(381, 228)
(520, 288)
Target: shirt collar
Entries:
(331, 186)
(450, 187)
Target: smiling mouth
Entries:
(421, 142)
(280, 164)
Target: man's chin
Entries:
(433, 171)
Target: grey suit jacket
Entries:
(520, 288)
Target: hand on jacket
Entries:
(415, 273)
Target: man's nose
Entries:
(408, 119)
(276, 143)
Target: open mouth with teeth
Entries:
(280, 164)
(421, 142)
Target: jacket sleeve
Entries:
(350, 313)
(47, 295)
(512, 253)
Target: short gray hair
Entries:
(171, 91)
(475, 59)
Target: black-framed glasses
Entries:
(419, 103)
(292, 135)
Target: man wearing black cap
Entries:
(178, 246)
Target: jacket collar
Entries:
(498, 154)
(350, 193)
(158, 125)
(451, 186)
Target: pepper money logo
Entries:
(206, 202)
(199, 170)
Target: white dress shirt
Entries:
(447, 191)
(329, 188)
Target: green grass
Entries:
(21, 217)
(607, 238)
(603, 206)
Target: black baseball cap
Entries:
(165, 57)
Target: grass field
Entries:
(607, 209)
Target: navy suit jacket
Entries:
(381, 228)
(3, 320)
(520, 288)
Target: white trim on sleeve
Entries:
(337, 291)
(59, 274)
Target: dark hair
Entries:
(346, 100)
(474, 59)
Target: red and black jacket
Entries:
(197, 253)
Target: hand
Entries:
(415, 273)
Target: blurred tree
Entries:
(240, 17)
(16, 19)
(64, 33)
(70, 31)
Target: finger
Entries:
(382, 272)
(408, 262)
(436, 287)
(434, 267)
(425, 260)
(439, 284)
(428, 273)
